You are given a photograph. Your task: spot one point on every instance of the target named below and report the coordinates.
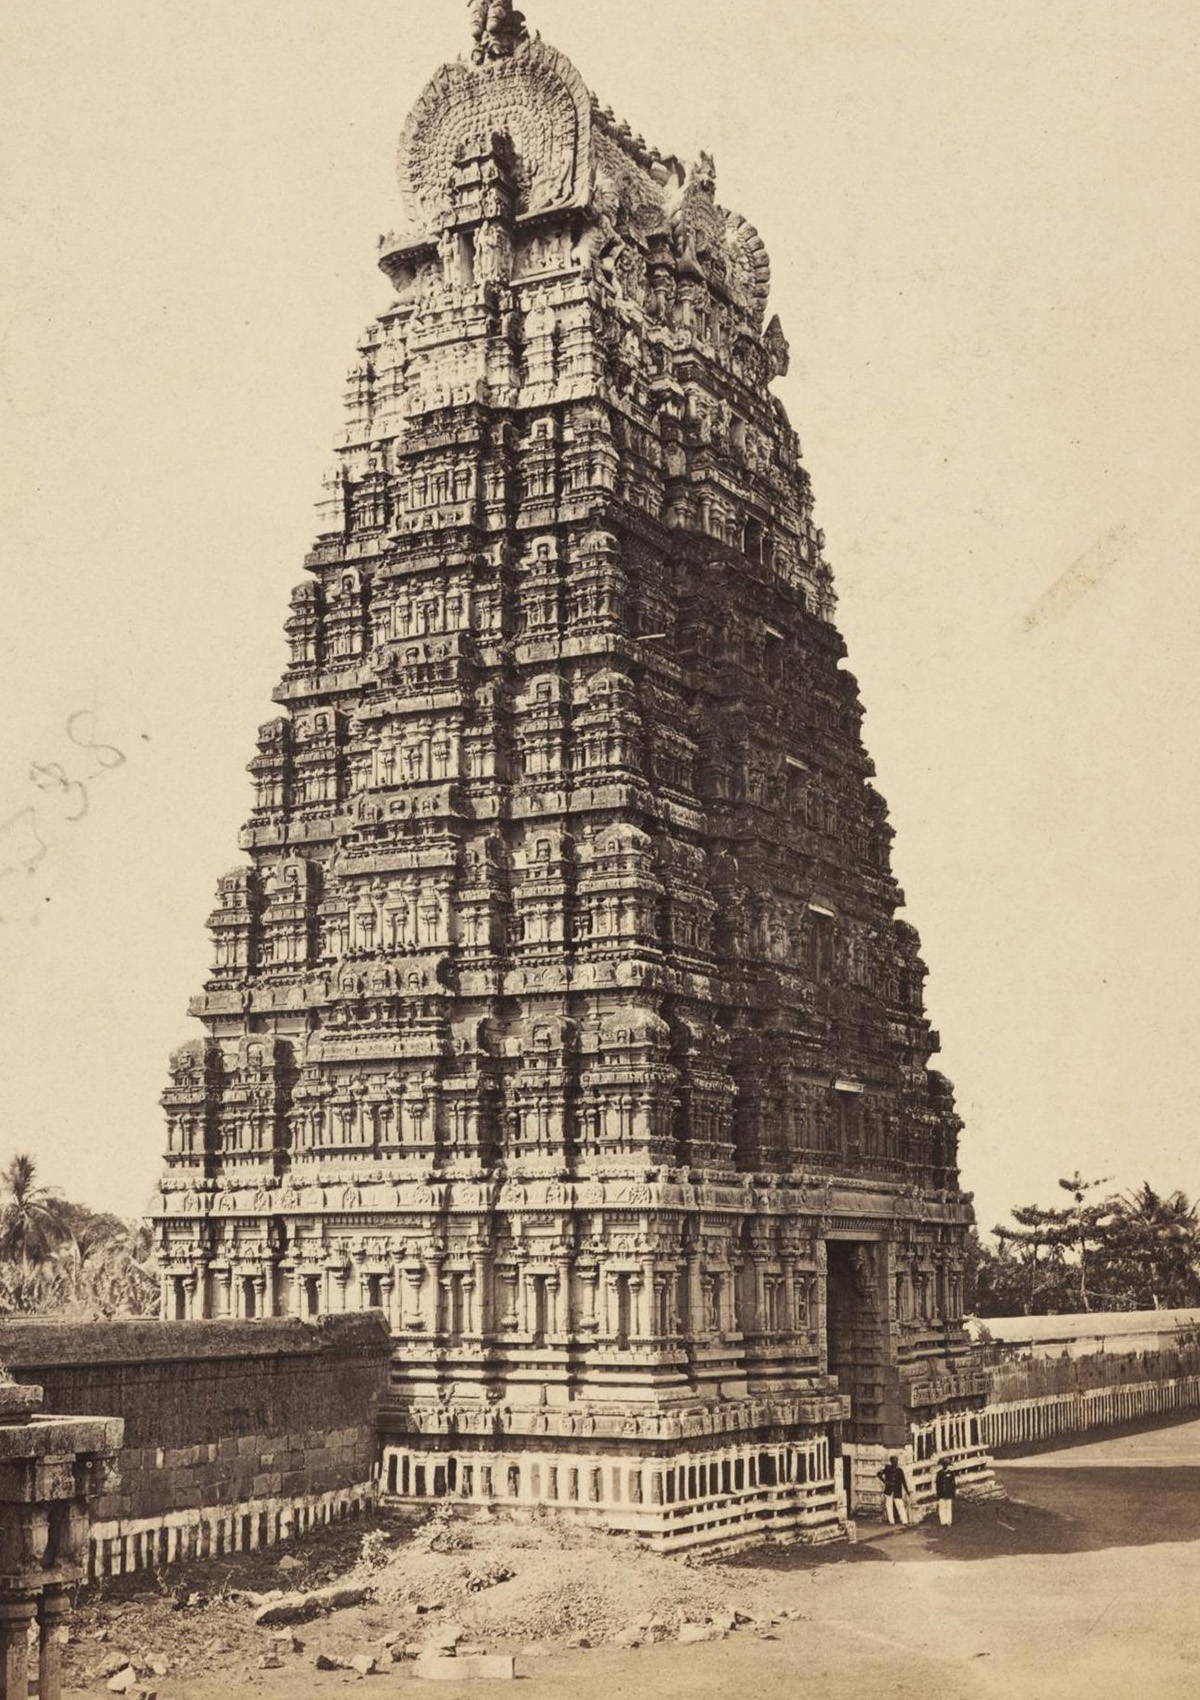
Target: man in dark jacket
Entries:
(895, 1491)
(945, 1487)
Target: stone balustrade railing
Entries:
(1017, 1424)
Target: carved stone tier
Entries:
(51, 1469)
(561, 1008)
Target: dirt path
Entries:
(1085, 1587)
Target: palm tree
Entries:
(31, 1218)
(62, 1259)
(1153, 1247)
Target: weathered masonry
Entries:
(560, 1007)
(1055, 1378)
(52, 1468)
(235, 1437)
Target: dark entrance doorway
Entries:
(858, 1334)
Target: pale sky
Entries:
(983, 225)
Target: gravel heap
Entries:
(549, 1581)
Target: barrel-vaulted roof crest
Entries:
(516, 85)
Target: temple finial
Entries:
(497, 28)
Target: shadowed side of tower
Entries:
(560, 1008)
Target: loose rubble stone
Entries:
(445, 1637)
(691, 1633)
(296, 1608)
(124, 1682)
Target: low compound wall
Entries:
(237, 1434)
(1018, 1425)
(1063, 1377)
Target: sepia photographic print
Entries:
(600, 1034)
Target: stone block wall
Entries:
(237, 1434)
(1051, 1379)
(1024, 1425)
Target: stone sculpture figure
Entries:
(497, 27)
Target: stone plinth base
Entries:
(692, 1495)
(1018, 1424)
(117, 1547)
(971, 1464)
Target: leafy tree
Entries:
(1084, 1224)
(58, 1258)
(1033, 1253)
(1045, 1236)
(119, 1275)
(1150, 1256)
(1140, 1250)
(995, 1279)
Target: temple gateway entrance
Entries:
(857, 1328)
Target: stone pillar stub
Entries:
(51, 1468)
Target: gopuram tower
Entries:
(560, 1008)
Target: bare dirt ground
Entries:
(1085, 1586)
